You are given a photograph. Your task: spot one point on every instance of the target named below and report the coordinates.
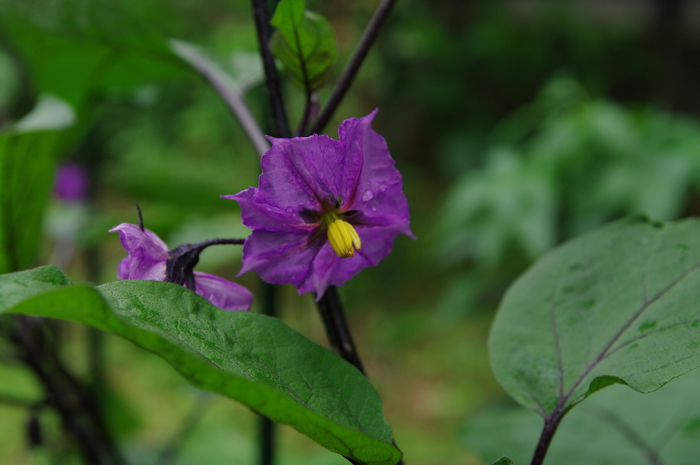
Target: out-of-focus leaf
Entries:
(252, 358)
(27, 163)
(9, 82)
(618, 305)
(507, 204)
(49, 114)
(75, 48)
(564, 165)
(503, 461)
(305, 43)
(614, 427)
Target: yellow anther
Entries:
(343, 238)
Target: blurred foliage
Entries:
(27, 160)
(561, 166)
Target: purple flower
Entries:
(71, 183)
(148, 258)
(324, 208)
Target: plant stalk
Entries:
(348, 76)
(266, 426)
(272, 80)
(76, 405)
(551, 423)
(337, 328)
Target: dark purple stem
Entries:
(304, 122)
(353, 66)
(551, 423)
(272, 80)
(337, 328)
(266, 426)
(78, 408)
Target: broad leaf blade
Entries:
(305, 43)
(617, 305)
(27, 162)
(614, 427)
(254, 359)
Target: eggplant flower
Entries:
(324, 208)
(150, 259)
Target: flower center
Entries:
(342, 236)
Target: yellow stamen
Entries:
(342, 236)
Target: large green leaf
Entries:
(617, 426)
(254, 359)
(617, 305)
(305, 43)
(27, 161)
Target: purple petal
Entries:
(138, 268)
(376, 190)
(259, 215)
(223, 293)
(304, 173)
(280, 258)
(147, 254)
(330, 270)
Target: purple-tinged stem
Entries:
(337, 328)
(272, 80)
(350, 71)
(231, 95)
(551, 423)
(77, 406)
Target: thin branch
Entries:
(76, 405)
(232, 96)
(190, 422)
(272, 80)
(632, 436)
(266, 427)
(353, 66)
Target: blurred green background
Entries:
(516, 124)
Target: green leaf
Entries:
(617, 305)
(27, 162)
(503, 461)
(251, 358)
(305, 43)
(616, 427)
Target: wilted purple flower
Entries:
(324, 208)
(148, 258)
(71, 183)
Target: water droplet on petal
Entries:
(367, 196)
